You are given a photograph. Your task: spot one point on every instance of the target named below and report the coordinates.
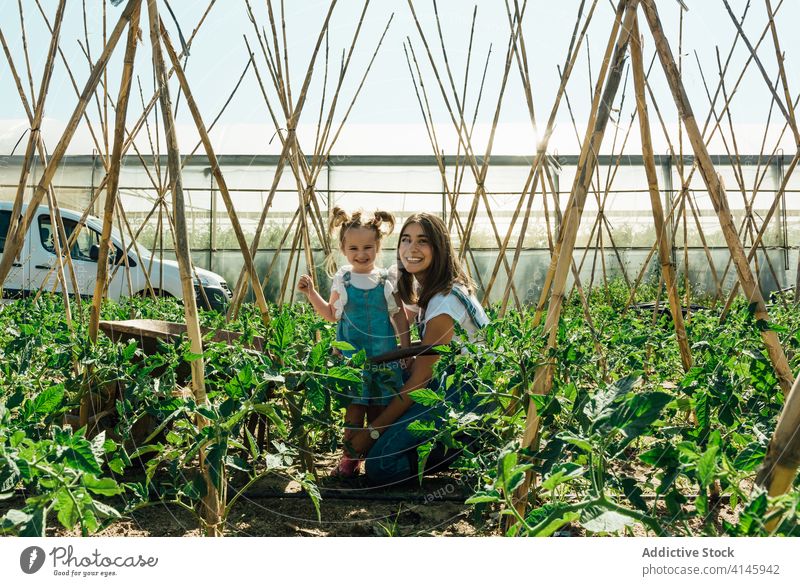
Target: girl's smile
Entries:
(360, 248)
(415, 250)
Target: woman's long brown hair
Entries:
(445, 270)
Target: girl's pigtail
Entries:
(338, 218)
(379, 219)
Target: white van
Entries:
(30, 270)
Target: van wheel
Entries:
(158, 292)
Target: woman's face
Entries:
(415, 250)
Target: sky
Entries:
(386, 117)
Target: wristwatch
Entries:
(373, 433)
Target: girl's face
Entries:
(415, 250)
(360, 247)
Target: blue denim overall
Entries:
(393, 458)
(365, 324)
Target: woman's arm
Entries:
(325, 309)
(438, 331)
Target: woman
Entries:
(434, 285)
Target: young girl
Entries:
(433, 283)
(365, 304)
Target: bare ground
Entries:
(277, 507)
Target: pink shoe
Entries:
(346, 468)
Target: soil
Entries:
(277, 507)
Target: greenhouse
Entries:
(507, 268)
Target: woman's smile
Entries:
(415, 250)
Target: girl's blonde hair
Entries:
(445, 270)
(381, 222)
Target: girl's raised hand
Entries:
(305, 285)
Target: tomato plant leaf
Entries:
(102, 486)
(48, 400)
(68, 511)
(426, 397)
(343, 346)
(79, 456)
(599, 520)
(422, 429)
(707, 466)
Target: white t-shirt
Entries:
(365, 281)
(449, 304)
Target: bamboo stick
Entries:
(38, 113)
(213, 502)
(15, 240)
(451, 193)
(570, 60)
(780, 465)
(464, 138)
(218, 176)
(717, 193)
(124, 257)
(568, 212)
(27, 54)
(601, 109)
(55, 222)
(664, 252)
(101, 282)
(783, 107)
(104, 116)
(679, 165)
(782, 73)
(291, 138)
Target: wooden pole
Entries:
(291, 139)
(780, 465)
(464, 138)
(15, 240)
(717, 193)
(541, 152)
(101, 282)
(664, 252)
(568, 212)
(218, 176)
(543, 378)
(38, 114)
(213, 503)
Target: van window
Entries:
(5, 218)
(80, 250)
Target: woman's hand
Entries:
(305, 285)
(360, 442)
(407, 363)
